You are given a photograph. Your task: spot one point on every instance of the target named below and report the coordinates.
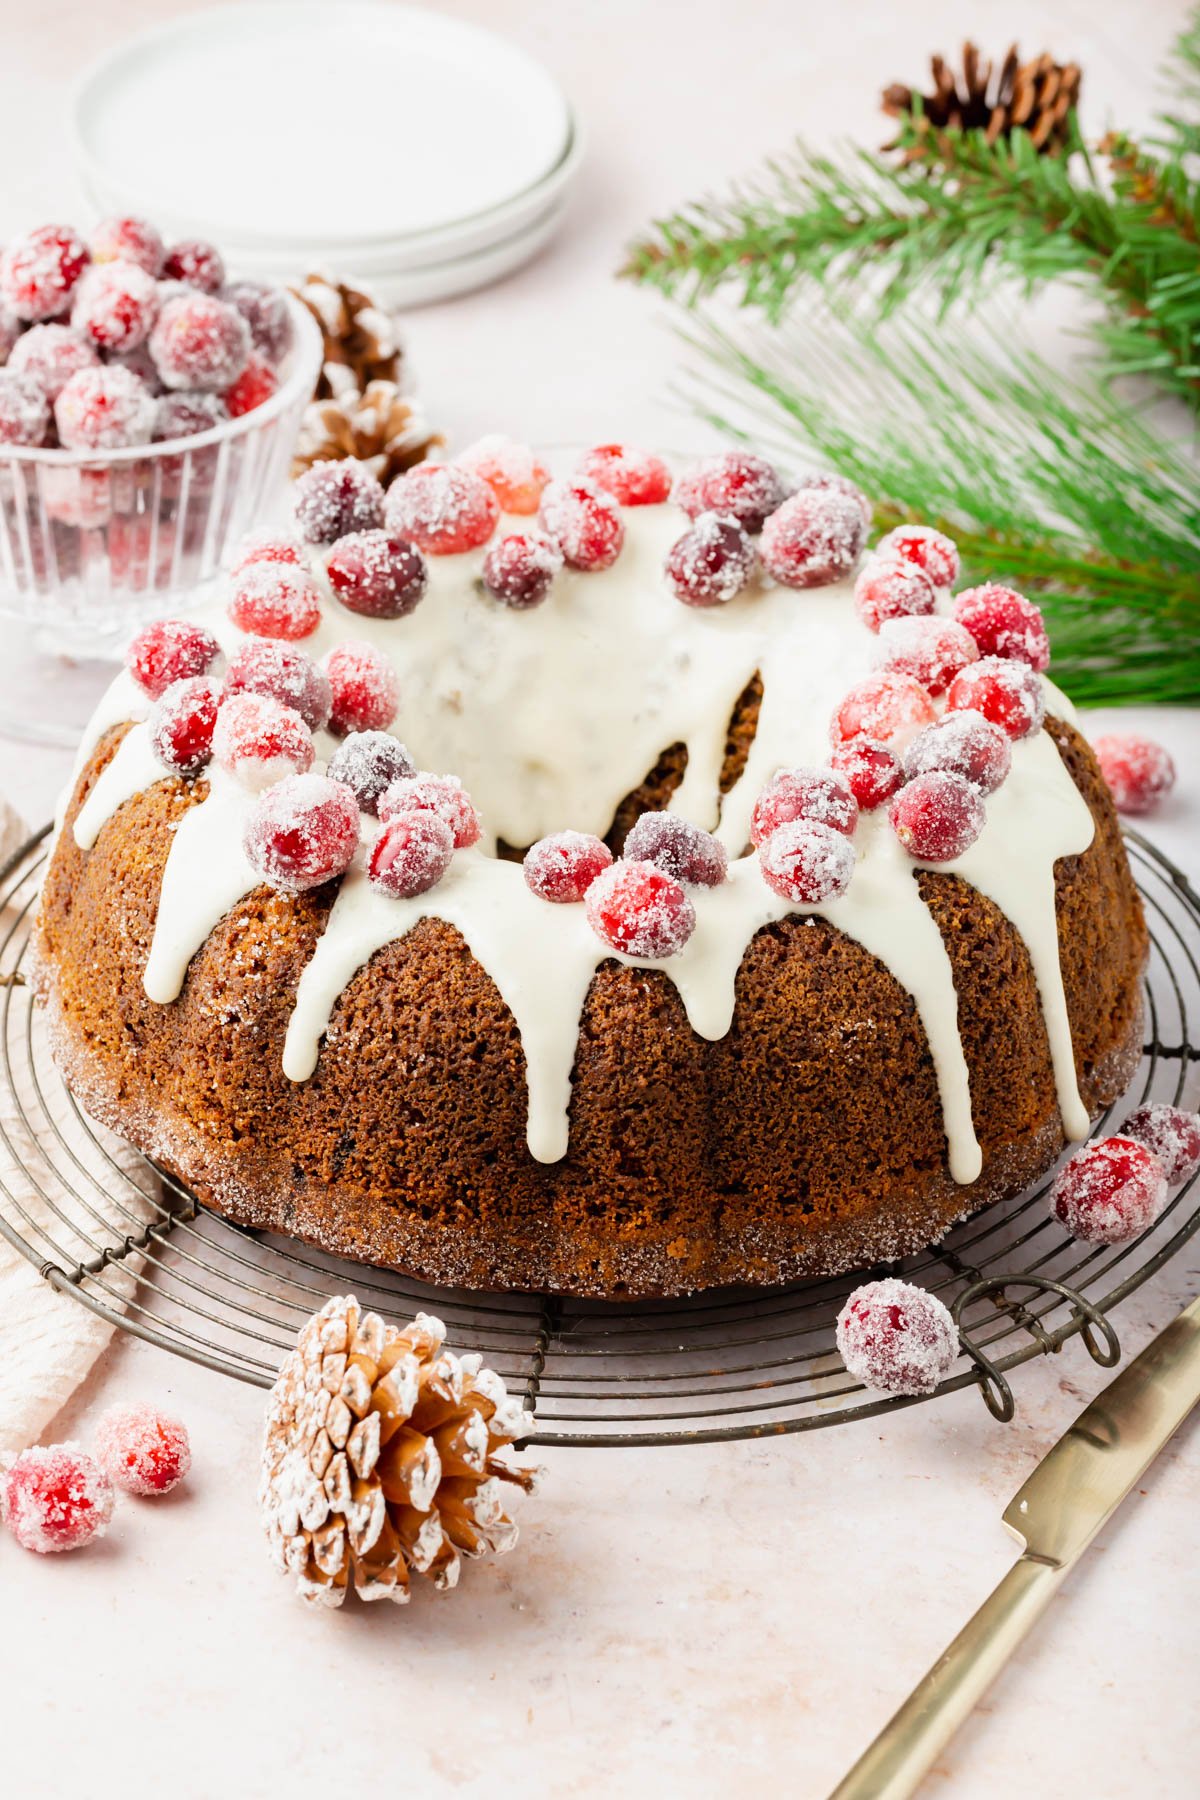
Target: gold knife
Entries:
(1072, 1493)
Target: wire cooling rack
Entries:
(123, 1238)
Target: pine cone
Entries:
(378, 427)
(1036, 97)
(380, 1457)
(361, 341)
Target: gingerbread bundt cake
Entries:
(779, 917)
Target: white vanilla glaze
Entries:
(550, 717)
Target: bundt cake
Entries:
(777, 919)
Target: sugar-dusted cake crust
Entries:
(807, 1141)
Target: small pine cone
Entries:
(380, 1457)
(361, 341)
(378, 427)
(1037, 97)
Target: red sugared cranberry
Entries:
(683, 850)
(410, 855)
(1003, 623)
(142, 1450)
(256, 383)
(585, 525)
(376, 574)
(267, 547)
(275, 600)
(871, 771)
(882, 706)
(56, 1498)
(632, 477)
(334, 498)
(115, 306)
(1139, 771)
(442, 508)
(515, 475)
(105, 408)
(965, 743)
(197, 263)
(199, 342)
(24, 410)
(519, 570)
(931, 650)
(562, 867)
(712, 562)
(50, 355)
(896, 1338)
(187, 413)
(170, 650)
(1110, 1191)
(803, 794)
(365, 687)
(813, 538)
(735, 482)
(38, 272)
(640, 910)
(1170, 1134)
(892, 589)
(266, 313)
(265, 666)
(181, 725)
(369, 762)
(139, 362)
(931, 550)
(440, 794)
(302, 832)
(827, 478)
(807, 863)
(128, 240)
(259, 741)
(937, 816)
(1007, 693)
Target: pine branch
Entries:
(1183, 72)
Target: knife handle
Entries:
(909, 1744)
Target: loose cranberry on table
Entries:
(181, 724)
(266, 314)
(254, 386)
(259, 741)
(813, 538)
(561, 868)
(1170, 1134)
(442, 508)
(199, 342)
(334, 498)
(807, 863)
(937, 816)
(931, 650)
(24, 410)
(56, 1498)
(896, 1338)
(197, 263)
(1110, 1191)
(736, 482)
(584, 523)
(115, 306)
(142, 1451)
(39, 272)
(640, 910)
(376, 574)
(871, 771)
(712, 562)
(890, 588)
(369, 762)
(803, 794)
(302, 833)
(1003, 623)
(931, 550)
(50, 355)
(105, 408)
(519, 569)
(966, 744)
(275, 600)
(128, 240)
(1008, 693)
(685, 851)
(632, 477)
(1140, 772)
(170, 650)
(364, 685)
(514, 473)
(410, 855)
(882, 706)
(440, 794)
(279, 670)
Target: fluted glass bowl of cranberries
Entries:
(149, 408)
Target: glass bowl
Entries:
(93, 546)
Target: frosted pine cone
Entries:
(378, 427)
(380, 1457)
(361, 340)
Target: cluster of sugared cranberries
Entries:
(377, 575)
(364, 688)
(1140, 772)
(931, 650)
(1110, 1191)
(442, 508)
(333, 499)
(639, 910)
(519, 569)
(302, 832)
(562, 867)
(515, 474)
(59, 1497)
(966, 744)
(101, 328)
(712, 562)
(275, 600)
(896, 1338)
(584, 522)
(633, 477)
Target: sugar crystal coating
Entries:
(441, 794)
(896, 1338)
(734, 482)
(633, 477)
(828, 478)
(514, 473)
(267, 666)
(186, 413)
(965, 743)
(334, 498)
(1110, 1191)
(364, 685)
(803, 794)
(931, 650)
(266, 314)
(890, 588)
(56, 1498)
(937, 816)
(1170, 1134)
(253, 387)
(410, 855)
(38, 272)
(302, 832)
(712, 562)
(376, 574)
(169, 650)
(259, 741)
(267, 546)
(562, 867)
(1004, 623)
(369, 762)
(806, 862)
(1008, 693)
(442, 508)
(115, 306)
(181, 725)
(640, 910)
(1140, 772)
(199, 342)
(584, 523)
(128, 240)
(142, 1450)
(50, 355)
(105, 408)
(882, 706)
(197, 263)
(685, 851)
(813, 538)
(931, 550)
(275, 600)
(519, 569)
(870, 770)
(24, 410)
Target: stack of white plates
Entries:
(419, 154)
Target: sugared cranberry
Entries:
(803, 794)
(186, 413)
(442, 508)
(334, 498)
(931, 650)
(896, 1338)
(1110, 1191)
(10, 331)
(519, 570)
(937, 816)
(632, 477)
(883, 706)
(410, 855)
(24, 410)
(682, 849)
(376, 574)
(440, 794)
(1003, 623)
(366, 690)
(195, 262)
(931, 550)
(38, 272)
(586, 525)
(735, 482)
(105, 408)
(57, 1498)
(515, 475)
(255, 385)
(181, 725)
(115, 306)
(640, 910)
(813, 538)
(139, 362)
(265, 666)
(50, 355)
(562, 867)
(1007, 693)
(199, 342)
(828, 478)
(965, 743)
(142, 1450)
(266, 314)
(369, 762)
(871, 771)
(128, 240)
(1140, 772)
(1170, 1134)
(170, 650)
(892, 589)
(267, 547)
(712, 562)
(807, 863)
(302, 832)
(259, 741)
(275, 600)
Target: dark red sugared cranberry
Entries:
(377, 575)
(683, 850)
(519, 570)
